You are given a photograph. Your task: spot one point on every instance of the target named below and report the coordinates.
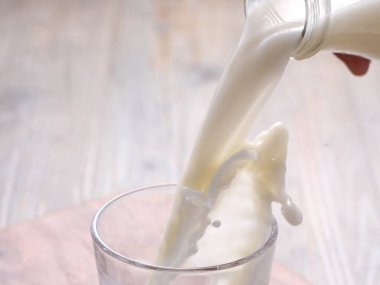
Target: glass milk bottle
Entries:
(351, 26)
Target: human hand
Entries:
(356, 64)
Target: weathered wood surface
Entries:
(57, 249)
(99, 96)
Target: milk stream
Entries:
(229, 184)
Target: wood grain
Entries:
(98, 96)
(58, 249)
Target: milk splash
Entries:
(240, 192)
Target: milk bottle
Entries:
(351, 26)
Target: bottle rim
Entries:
(315, 27)
(317, 21)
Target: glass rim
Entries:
(125, 259)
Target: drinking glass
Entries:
(127, 233)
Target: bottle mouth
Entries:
(315, 27)
(312, 14)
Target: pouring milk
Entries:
(229, 183)
(222, 162)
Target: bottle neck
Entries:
(316, 24)
(311, 15)
(339, 25)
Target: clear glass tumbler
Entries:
(127, 233)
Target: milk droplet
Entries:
(291, 212)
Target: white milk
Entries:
(239, 203)
(234, 218)
(258, 63)
(221, 151)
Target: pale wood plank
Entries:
(58, 248)
(88, 106)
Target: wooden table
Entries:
(58, 249)
(102, 96)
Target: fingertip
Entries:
(356, 64)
